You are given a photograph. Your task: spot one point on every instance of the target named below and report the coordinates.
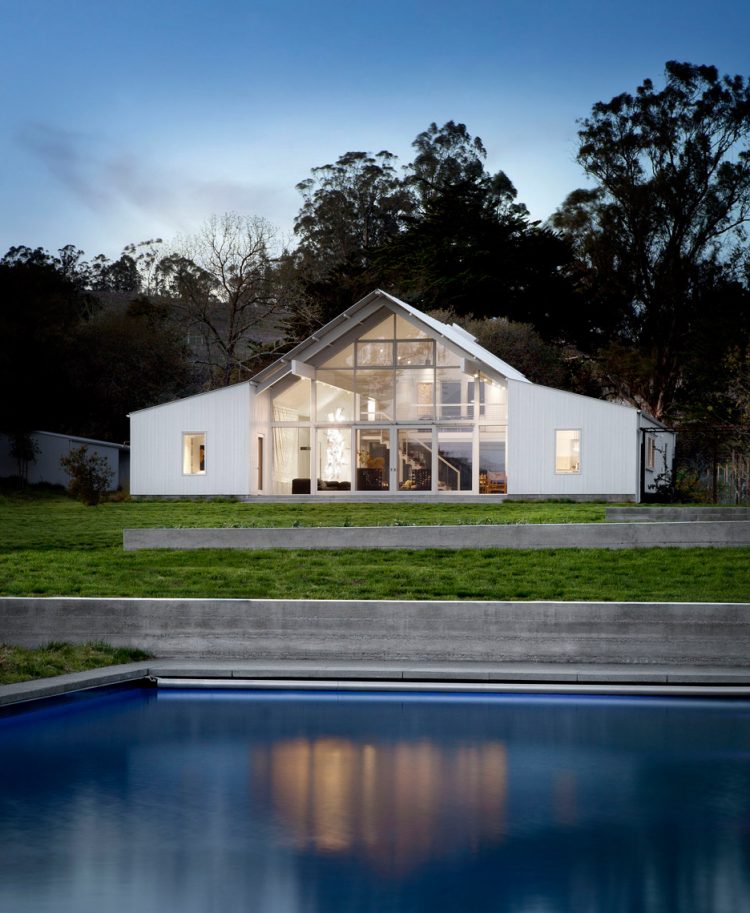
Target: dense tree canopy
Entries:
(75, 359)
(445, 233)
(657, 236)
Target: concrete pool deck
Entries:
(665, 680)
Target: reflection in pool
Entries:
(217, 801)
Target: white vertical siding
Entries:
(260, 423)
(609, 441)
(156, 444)
(46, 467)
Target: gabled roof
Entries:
(328, 334)
(82, 440)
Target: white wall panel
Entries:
(156, 445)
(609, 443)
(46, 467)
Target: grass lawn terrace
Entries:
(54, 546)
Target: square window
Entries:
(568, 450)
(375, 354)
(194, 454)
(415, 353)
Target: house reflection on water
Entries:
(394, 804)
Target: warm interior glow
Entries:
(337, 796)
(194, 454)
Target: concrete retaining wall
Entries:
(676, 514)
(571, 632)
(563, 535)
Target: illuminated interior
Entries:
(437, 423)
(336, 796)
(194, 454)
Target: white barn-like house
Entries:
(385, 400)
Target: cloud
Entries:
(112, 182)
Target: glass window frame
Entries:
(187, 455)
(577, 469)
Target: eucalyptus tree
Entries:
(351, 209)
(661, 234)
(470, 245)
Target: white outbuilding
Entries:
(387, 401)
(49, 447)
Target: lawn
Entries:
(20, 665)
(52, 545)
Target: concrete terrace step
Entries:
(686, 534)
(675, 514)
(405, 632)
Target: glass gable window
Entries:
(291, 400)
(415, 394)
(405, 329)
(375, 395)
(445, 357)
(454, 401)
(568, 450)
(194, 454)
(493, 399)
(343, 358)
(415, 353)
(383, 371)
(375, 354)
(384, 329)
(335, 397)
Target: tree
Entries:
(222, 281)
(470, 247)
(24, 450)
(521, 345)
(126, 361)
(350, 210)
(40, 310)
(657, 237)
(90, 475)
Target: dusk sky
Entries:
(123, 121)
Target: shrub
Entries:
(89, 473)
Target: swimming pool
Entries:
(197, 801)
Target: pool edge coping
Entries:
(414, 677)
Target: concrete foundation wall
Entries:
(715, 634)
(675, 514)
(563, 535)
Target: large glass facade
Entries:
(415, 459)
(291, 461)
(291, 400)
(455, 458)
(373, 459)
(374, 392)
(334, 459)
(493, 479)
(390, 409)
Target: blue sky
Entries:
(123, 121)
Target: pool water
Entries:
(140, 801)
